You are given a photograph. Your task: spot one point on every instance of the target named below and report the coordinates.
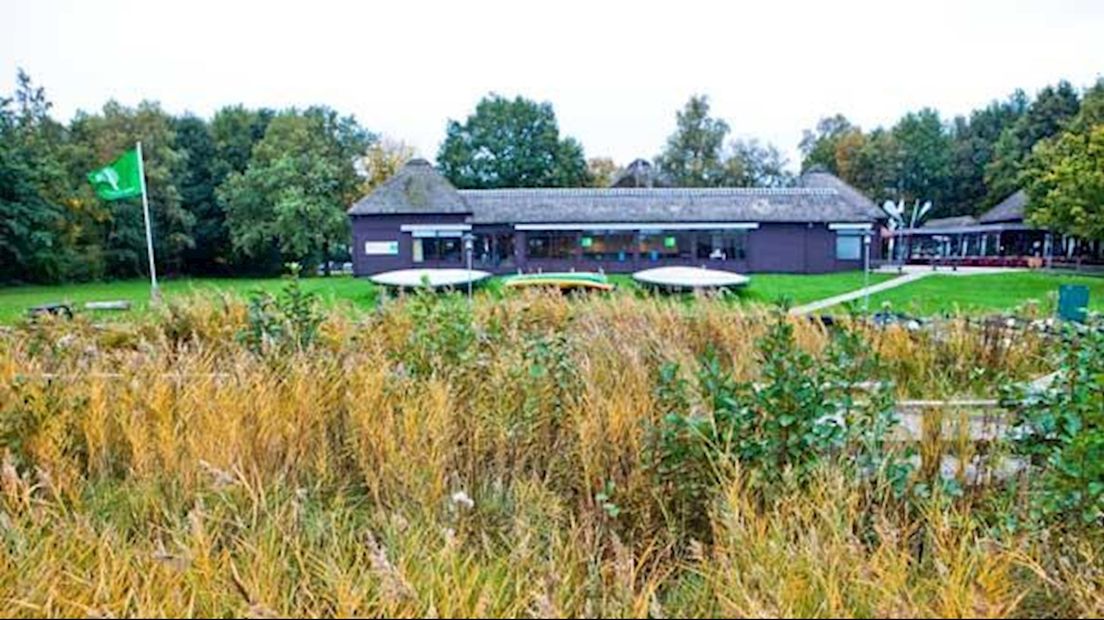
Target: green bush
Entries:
(287, 321)
(801, 413)
(1060, 430)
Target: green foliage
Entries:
(963, 167)
(1064, 177)
(293, 194)
(1061, 431)
(693, 156)
(98, 138)
(974, 149)
(33, 225)
(1045, 117)
(752, 164)
(286, 322)
(924, 163)
(511, 143)
(696, 156)
(1065, 184)
(442, 335)
(800, 414)
(819, 146)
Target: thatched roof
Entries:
(820, 178)
(723, 204)
(1010, 209)
(416, 188)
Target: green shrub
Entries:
(287, 321)
(800, 414)
(1060, 430)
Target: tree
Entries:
(32, 185)
(1044, 117)
(235, 130)
(693, 156)
(1065, 184)
(196, 182)
(382, 160)
(293, 194)
(973, 149)
(751, 164)
(876, 165)
(1064, 175)
(818, 147)
(510, 143)
(924, 159)
(602, 171)
(100, 138)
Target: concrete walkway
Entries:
(909, 273)
(860, 293)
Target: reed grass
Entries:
(431, 459)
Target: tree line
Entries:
(969, 163)
(247, 190)
(241, 192)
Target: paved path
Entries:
(862, 292)
(909, 273)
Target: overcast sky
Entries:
(615, 71)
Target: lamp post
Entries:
(469, 246)
(866, 272)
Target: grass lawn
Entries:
(982, 293)
(15, 301)
(803, 289)
(932, 295)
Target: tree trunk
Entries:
(326, 258)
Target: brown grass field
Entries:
(419, 460)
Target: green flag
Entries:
(119, 179)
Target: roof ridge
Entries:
(630, 191)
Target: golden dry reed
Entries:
(413, 464)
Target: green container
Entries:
(1073, 302)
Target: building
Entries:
(1000, 236)
(418, 219)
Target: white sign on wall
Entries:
(375, 248)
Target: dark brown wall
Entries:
(781, 247)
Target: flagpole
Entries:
(154, 293)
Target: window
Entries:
(657, 244)
(616, 246)
(493, 249)
(722, 245)
(550, 245)
(849, 245)
(437, 248)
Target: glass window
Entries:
(848, 245)
(550, 245)
(657, 244)
(449, 249)
(615, 246)
(493, 249)
(722, 245)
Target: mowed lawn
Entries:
(15, 301)
(933, 295)
(982, 293)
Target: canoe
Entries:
(690, 277)
(564, 280)
(434, 278)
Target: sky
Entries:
(615, 72)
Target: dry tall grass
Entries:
(413, 466)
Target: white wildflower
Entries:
(462, 500)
